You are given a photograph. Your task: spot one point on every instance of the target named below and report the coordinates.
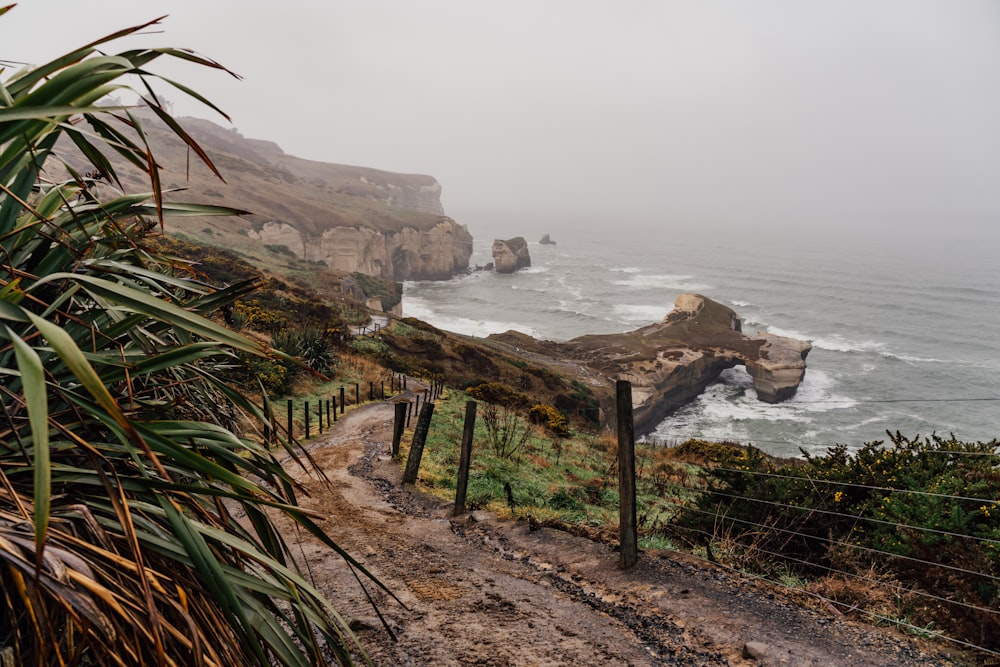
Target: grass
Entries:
(573, 480)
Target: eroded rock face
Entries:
(510, 255)
(408, 254)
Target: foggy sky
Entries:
(858, 115)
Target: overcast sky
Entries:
(544, 115)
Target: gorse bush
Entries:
(550, 418)
(121, 472)
(921, 512)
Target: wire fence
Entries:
(917, 546)
(903, 532)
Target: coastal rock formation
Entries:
(778, 368)
(669, 363)
(545, 240)
(510, 255)
(437, 253)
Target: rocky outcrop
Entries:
(671, 362)
(510, 255)
(437, 253)
(545, 240)
(779, 367)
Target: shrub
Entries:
(550, 418)
(505, 428)
(922, 512)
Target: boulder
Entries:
(510, 255)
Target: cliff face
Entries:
(380, 223)
(407, 254)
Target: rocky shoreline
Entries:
(671, 362)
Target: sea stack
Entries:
(545, 240)
(510, 255)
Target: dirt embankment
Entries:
(483, 591)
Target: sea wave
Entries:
(833, 342)
(645, 314)
(682, 283)
(462, 325)
(719, 412)
(914, 359)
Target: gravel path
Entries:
(476, 590)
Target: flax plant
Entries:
(138, 524)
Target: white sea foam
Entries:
(833, 342)
(644, 314)
(625, 269)
(914, 359)
(663, 282)
(574, 289)
(419, 309)
(741, 304)
(815, 394)
(535, 269)
(724, 405)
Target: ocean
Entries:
(905, 334)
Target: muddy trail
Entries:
(477, 590)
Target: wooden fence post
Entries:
(629, 536)
(357, 393)
(417, 446)
(341, 400)
(306, 410)
(328, 422)
(397, 427)
(382, 389)
(465, 458)
(371, 390)
(409, 412)
(335, 406)
(290, 436)
(319, 415)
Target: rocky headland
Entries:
(669, 363)
(510, 255)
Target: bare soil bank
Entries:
(479, 590)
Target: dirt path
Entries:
(482, 591)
